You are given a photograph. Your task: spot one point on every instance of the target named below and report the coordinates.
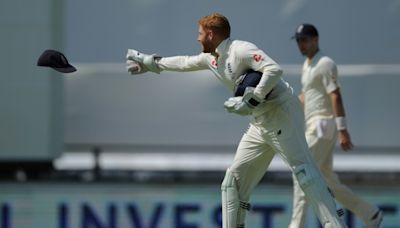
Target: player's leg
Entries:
(300, 206)
(251, 161)
(364, 210)
(317, 195)
(313, 136)
(290, 143)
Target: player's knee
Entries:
(229, 181)
(305, 175)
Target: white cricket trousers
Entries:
(322, 151)
(280, 131)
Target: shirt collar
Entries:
(223, 47)
(316, 57)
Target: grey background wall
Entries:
(42, 110)
(31, 102)
(106, 105)
(351, 31)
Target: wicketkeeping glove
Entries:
(245, 105)
(146, 61)
(134, 67)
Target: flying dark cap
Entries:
(55, 60)
(305, 30)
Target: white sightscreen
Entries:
(30, 96)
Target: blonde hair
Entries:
(218, 23)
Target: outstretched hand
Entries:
(147, 62)
(134, 67)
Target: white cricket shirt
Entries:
(235, 57)
(319, 79)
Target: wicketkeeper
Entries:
(277, 118)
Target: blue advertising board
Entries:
(101, 205)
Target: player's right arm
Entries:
(331, 84)
(338, 108)
(183, 63)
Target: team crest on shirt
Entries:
(214, 63)
(257, 57)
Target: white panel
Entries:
(30, 97)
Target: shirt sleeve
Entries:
(329, 76)
(183, 63)
(259, 61)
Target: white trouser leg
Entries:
(290, 143)
(300, 206)
(251, 161)
(317, 194)
(280, 130)
(233, 209)
(322, 152)
(230, 200)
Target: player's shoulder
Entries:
(243, 44)
(204, 55)
(326, 61)
(242, 48)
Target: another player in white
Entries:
(277, 122)
(325, 121)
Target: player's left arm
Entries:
(330, 81)
(338, 107)
(271, 71)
